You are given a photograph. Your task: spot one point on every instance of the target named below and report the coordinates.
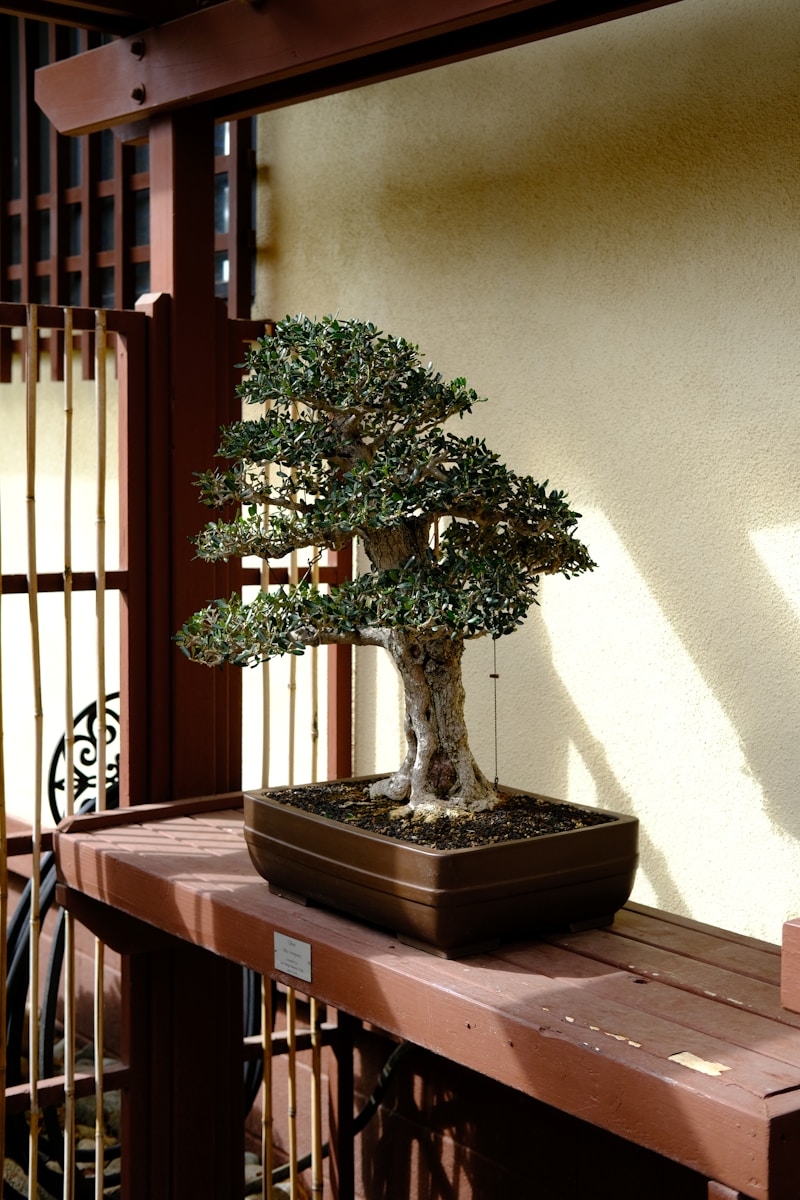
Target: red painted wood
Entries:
(199, 709)
(665, 963)
(180, 1096)
(340, 687)
(246, 58)
(747, 954)
(589, 1024)
(133, 551)
(790, 966)
(51, 1090)
(341, 1114)
(151, 667)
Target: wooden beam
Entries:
(243, 58)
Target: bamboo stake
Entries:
(293, 580)
(100, 593)
(315, 682)
(267, 1112)
(99, 949)
(316, 1100)
(69, 717)
(3, 900)
(70, 1159)
(266, 715)
(293, 577)
(33, 608)
(291, 1040)
(266, 696)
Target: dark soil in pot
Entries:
(516, 816)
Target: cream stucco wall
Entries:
(602, 232)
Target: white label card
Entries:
(293, 957)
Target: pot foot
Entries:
(592, 923)
(450, 952)
(288, 895)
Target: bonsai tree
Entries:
(352, 444)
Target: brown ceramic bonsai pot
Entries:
(450, 902)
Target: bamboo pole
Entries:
(293, 576)
(70, 1159)
(266, 715)
(100, 593)
(316, 1100)
(291, 1041)
(3, 898)
(293, 580)
(33, 609)
(315, 682)
(266, 698)
(99, 949)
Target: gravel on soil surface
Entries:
(514, 817)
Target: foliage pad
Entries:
(352, 444)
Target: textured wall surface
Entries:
(601, 232)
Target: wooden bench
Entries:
(661, 1030)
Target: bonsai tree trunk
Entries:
(439, 773)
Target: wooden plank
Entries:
(278, 53)
(166, 811)
(746, 956)
(53, 581)
(672, 967)
(51, 1090)
(728, 935)
(705, 1014)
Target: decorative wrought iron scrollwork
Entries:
(85, 760)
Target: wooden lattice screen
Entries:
(74, 212)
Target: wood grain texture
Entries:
(665, 1032)
(236, 59)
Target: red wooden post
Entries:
(342, 1117)
(790, 966)
(199, 710)
(184, 1116)
(340, 689)
(135, 700)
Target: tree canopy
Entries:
(351, 444)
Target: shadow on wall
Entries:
(654, 730)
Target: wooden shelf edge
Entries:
(790, 966)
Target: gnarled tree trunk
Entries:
(439, 772)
